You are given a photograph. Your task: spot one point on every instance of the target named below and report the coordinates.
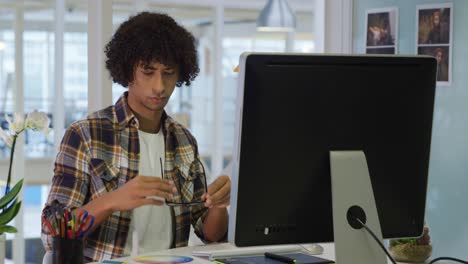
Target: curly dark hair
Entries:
(148, 38)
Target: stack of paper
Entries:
(233, 251)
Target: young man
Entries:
(122, 163)
(440, 31)
(442, 70)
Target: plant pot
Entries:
(411, 253)
(2, 248)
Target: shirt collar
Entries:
(124, 114)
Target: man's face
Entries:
(439, 57)
(436, 18)
(152, 87)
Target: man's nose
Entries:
(158, 84)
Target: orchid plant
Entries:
(36, 121)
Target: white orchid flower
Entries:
(7, 138)
(38, 121)
(17, 125)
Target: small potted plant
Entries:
(9, 203)
(415, 250)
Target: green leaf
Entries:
(8, 229)
(395, 242)
(8, 214)
(11, 195)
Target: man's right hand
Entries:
(137, 192)
(133, 194)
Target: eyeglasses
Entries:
(186, 203)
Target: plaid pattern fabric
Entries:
(101, 153)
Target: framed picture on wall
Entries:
(382, 31)
(442, 55)
(434, 25)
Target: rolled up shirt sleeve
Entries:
(70, 183)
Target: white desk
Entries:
(187, 251)
(328, 252)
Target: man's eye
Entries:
(169, 72)
(148, 73)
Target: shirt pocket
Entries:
(189, 179)
(184, 171)
(105, 174)
(183, 163)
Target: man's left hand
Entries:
(219, 193)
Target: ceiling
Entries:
(188, 8)
(242, 4)
(191, 13)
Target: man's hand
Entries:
(219, 193)
(136, 192)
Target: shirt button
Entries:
(135, 123)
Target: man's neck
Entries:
(150, 122)
(149, 125)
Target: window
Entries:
(241, 36)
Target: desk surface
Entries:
(187, 251)
(328, 252)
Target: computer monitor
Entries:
(293, 109)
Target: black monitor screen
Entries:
(295, 109)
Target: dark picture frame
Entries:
(434, 23)
(381, 31)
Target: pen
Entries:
(280, 258)
(62, 226)
(49, 226)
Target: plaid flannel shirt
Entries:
(100, 154)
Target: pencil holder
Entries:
(69, 251)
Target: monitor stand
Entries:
(352, 190)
